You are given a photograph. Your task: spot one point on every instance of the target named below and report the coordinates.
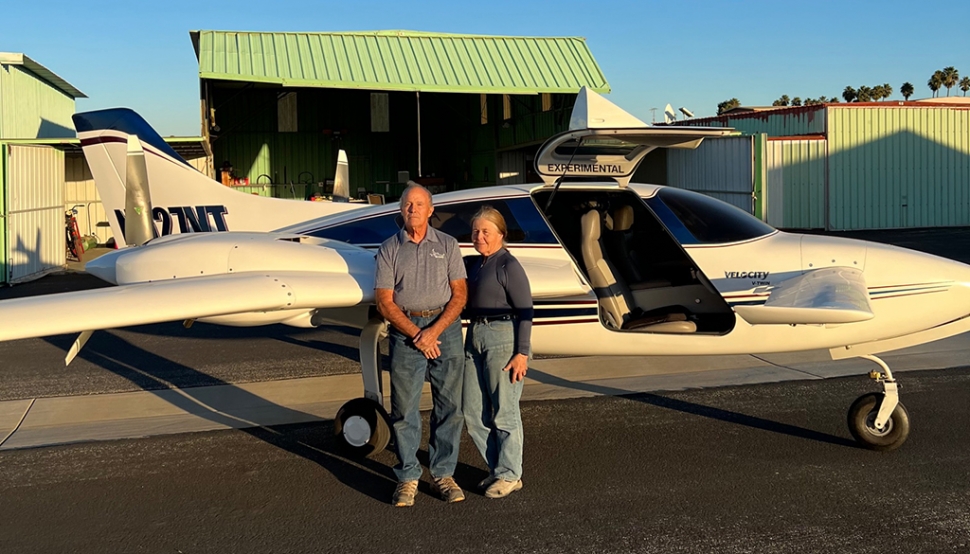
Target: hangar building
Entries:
(852, 166)
(449, 111)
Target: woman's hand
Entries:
(518, 365)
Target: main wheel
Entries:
(363, 426)
(862, 424)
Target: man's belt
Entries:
(491, 318)
(423, 313)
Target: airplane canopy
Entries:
(605, 141)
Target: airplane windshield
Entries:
(695, 218)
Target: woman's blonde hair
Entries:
(489, 213)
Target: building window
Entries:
(506, 107)
(484, 109)
(380, 113)
(286, 113)
(546, 101)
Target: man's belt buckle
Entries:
(425, 313)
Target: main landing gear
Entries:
(879, 421)
(362, 423)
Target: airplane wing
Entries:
(830, 295)
(180, 299)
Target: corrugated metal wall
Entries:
(34, 193)
(899, 167)
(40, 111)
(805, 120)
(795, 184)
(721, 168)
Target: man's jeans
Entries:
(408, 370)
(490, 400)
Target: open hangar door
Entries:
(33, 239)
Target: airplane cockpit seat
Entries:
(614, 297)
(624, 252)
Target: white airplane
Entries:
(615, 269)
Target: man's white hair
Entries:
(415, 186)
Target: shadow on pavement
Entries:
(369, 477)
(694, 409)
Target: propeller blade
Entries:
(139, 227)
(341, 179)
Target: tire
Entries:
(861, 420)
(363, 427)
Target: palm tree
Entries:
(950, 78)
(783, 101)
(878, 93)
(849, 94)
(887, 90)
(907, 89)
(864, 94)
(935, 82)
(727, 105)
(965, 85)
(796, 101)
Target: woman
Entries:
(499, 308)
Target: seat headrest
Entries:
(622, 218)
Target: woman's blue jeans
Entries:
(408, 370)
(490, 400)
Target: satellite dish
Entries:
(669, 114)
(686, 112)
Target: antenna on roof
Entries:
(686, 112)
(669, 114)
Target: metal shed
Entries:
(852, 166)
(35, 104)
(447, 110)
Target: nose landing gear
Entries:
(879, 421)
(362, 424)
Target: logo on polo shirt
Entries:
(436, 254)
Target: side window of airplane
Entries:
(521, 218)
(373, 230)
(695, 218)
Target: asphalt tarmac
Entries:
(767, 469)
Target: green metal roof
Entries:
(14, 58)
(401, 60)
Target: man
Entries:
(420, 289)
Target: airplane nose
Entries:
(103, 267)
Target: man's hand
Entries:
(519, 364)
(427, 342)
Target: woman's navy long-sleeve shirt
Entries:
(497, 285)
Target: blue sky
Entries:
(693, 54)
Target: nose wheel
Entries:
(363, 426)
(879, 421)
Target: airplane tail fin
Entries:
(341, 180)
(178, 198)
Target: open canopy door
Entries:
(605, 141)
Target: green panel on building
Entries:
(36, 102)
(895, 167)
(4, 256)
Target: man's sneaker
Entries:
(502, 488)
(485, 483)
(404, 494)
(448, 489)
